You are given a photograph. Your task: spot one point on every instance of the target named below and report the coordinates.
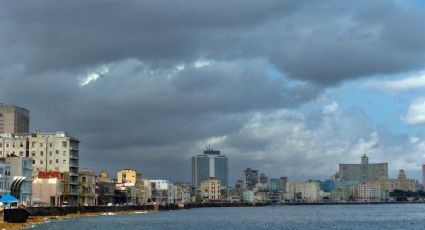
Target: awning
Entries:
(8, 199)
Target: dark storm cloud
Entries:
(314, 41)
(148, 111)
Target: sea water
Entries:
(382, 216)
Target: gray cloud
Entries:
(320, 42)
(147, 111)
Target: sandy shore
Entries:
(34, 220)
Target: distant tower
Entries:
(401, 174)
(14, 119)
(250, 178)
(209, 164)
(365, 160)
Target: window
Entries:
(51, 145)
(41, 162)
(50, 162)
(33, 154)
(41, 153)
(33, 144)
(57, 160)
(64, 144)
(1, 145)
(50, 153)
(41, 144)
(21, 153)
(33, 162)
(22, 144)
(57, 151)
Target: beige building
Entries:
(307, 191)
(369, 191)
(51, 152)
(146, 188)
(182, 193)
(210, 189)
(87, 188)
(14, 119)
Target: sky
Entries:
(291, 88)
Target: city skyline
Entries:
(282, 87)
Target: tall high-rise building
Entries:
(209, 164)
(50, 152)
(250, 178)
(363, 171)
(14, 119)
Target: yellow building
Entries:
(128, 177)
(401, 183)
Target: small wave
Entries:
(108, 214)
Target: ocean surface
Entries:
(385, 216)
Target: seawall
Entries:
(61, 211)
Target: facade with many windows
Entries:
(50, 152)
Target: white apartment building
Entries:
(162, 191)
(5, 179)
(50, 152)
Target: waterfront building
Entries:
(21, 175)
(87, 188)
(278, 185)
(128, 177)
(182, 192)
(239, 188)
(330, 185)
(5, 178)
(146, 188)
(47, 189)
(162, 192)
(401, 183)
(261, 196)
(50, 152)
(369, 191)
(210, 189)
(306, 191)
(233, 195)
(125, 195)
(209, 164)
(14, 119)
(363, 171)
(248, 196)
(132, 178)
(342, 194)
(250, 178)
(105, 189)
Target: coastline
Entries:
(37, 220)
(41, 219)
